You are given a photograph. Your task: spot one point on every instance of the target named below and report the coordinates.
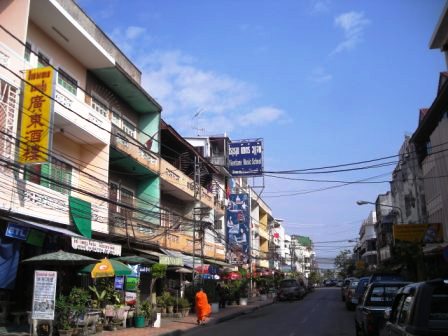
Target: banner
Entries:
(35, 135)
(237, 228)
(44, 295)
(246, 158)
(419, 233)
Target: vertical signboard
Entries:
(238, 228)
(44, 295)
(35, 135)
(246, 158)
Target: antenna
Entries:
(196, 118)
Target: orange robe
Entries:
(203, 309)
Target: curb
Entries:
(229, 317)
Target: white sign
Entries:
(44, 295)
(84, 244)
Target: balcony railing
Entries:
(82, 115)
(133, 148)
(184, 183)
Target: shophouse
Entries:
(431, 141)
(192, 218)
(79, 137)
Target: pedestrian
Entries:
(202, 306)
(222, 293)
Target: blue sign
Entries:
(246, 158)
(17, 231)
(237, 228)
(119, 282)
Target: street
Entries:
(320, 313)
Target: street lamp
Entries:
(385, 205)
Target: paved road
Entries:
(321, 313)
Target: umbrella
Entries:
(134, 259)
(107, 268)
(59, 258)
(232, 276)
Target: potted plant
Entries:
(147, 311)
(78, 299)
(139, 316)
(161, 306)
(158, 271)
(170, 301)
(63, 316)
(184, 306)
(164, 301)
(243, 293)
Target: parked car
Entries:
(345, 286)
(369, 314)
(359, 290)
(290, 289)
(349, 293)
(419, 309)
(381, 276)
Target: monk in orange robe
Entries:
(203, 309)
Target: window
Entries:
(116, 118)
(42, 60)
(118, 194)
(27, 51)
(113, 196)
(404, 312)
(428, 148)
(67, 82)
(100, 107)
(129, 129)
(56, 175)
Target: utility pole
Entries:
(197, 196)
(292, 249)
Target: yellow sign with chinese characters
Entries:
(35, 137)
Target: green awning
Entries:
(217, 262)
(81, 215)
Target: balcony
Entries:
(129, 151)
(78, 120)
(183, 185)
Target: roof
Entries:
(432, 117)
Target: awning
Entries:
(152, 254)
(432, 249)
(44, 227)
(218, 262)
(187, 259)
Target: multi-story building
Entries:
(80, 155)
(431, 142)
(304, 252)
(365, 250)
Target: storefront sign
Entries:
(44, 295)
(17, 231)
(35, 134)
(96, 246)
(246, 158)
(119, 282)
(419, 233)
(174, 261)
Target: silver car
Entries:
(290, 289)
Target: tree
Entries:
(158, 271)
(314, 278)
(344, 263)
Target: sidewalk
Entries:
(169, 327)
(175, 327)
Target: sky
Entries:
(322, 82)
